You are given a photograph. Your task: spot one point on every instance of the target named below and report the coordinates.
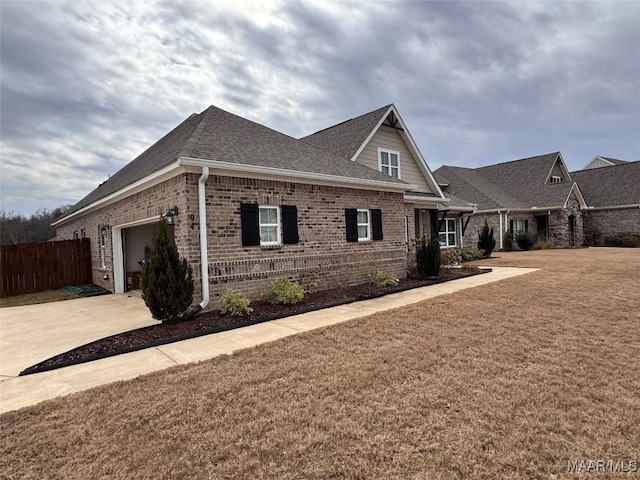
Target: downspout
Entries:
(506, 220)
(501, 235)
(204, 264)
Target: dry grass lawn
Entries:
(507, 380)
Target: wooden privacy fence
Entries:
(37, 267)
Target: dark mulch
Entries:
(214, 322)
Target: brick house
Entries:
(612, 193)
(249, 204)
(536, 195)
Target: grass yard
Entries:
(509, 380)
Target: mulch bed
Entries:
(213, 321)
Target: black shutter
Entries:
(511, 226)
(526, 225)
(376, 224)
(290, 224)
(250, 222)
(351, 224)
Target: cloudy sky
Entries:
(87, 86)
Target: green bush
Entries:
(429, 257)
(623, 240)
(542, 243)
(507, 241)
(526, 240)
(451, 257)
(234, 302)
(486, 242)
(283, 292)
(469, 254)
(167, 283)
(385, 279)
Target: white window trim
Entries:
(556, 179)
(368, 225)
(389, 152)
(278, 240)
(448, 232)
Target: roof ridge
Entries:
(386, 107)
(193, 139)
(519, 160)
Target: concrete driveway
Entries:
(32, 333)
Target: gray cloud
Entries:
(86, 87)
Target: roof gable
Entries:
(615, 185)
(220, 136)
(349, 139)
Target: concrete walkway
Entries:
(17, 392)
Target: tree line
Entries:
(16, 228)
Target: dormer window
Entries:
(389, 162)
(555, 179)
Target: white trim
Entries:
(278, 240)
(204, 246)
(118, 250)
(273, 173)
(447, 232)
(614, 207)
(155, 178)
(368, 225)
(422, 163)
(564, 169)
(389, 152)
(581, 200)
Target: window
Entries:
(83, 233)
(269, 226)
(364, 232)
(362, 225)
(389, 162)
(556, 179)
(518, 227)
(76, 235)
(447, 234)
(102, 239)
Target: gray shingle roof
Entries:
(515, 184)
(344, 139)
(610, 186)
(218, 135)
(615, 161)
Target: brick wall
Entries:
(150, 203)
(601, 223)
(322, 259)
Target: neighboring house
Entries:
(600, 161)
(536, 195)
(249, 204)
(612, 194)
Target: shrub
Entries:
(469, 254)
(283, 292)
(167, 283)
(234, 302)
(542, 243)
(385, 279)
(526, 240)
(507, 241)
(451, 257)
(429, 257)
(486, 241)
(623, 240)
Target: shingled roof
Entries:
(518, 184)
(216, 134)
(344, 139)
(615, 185)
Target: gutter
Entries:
(614, 207)
(204, 264)
(233, 169)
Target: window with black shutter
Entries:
(290, 224)
(376, 224)
(351, 224)
(250, 223)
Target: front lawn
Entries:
(512, 379)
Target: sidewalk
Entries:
(18, 392)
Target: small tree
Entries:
(167, 283)
(428, 256)
(486, 241)
(507, 241)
